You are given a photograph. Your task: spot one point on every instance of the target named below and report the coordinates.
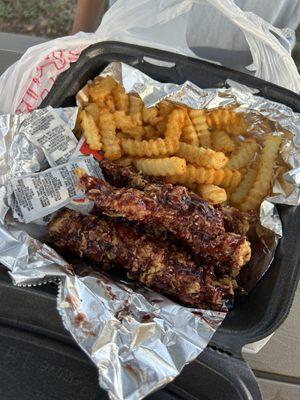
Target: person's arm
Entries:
(88, 15)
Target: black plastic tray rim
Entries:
(280, 282)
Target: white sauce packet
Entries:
(47, 130)
(44, 192)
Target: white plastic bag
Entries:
(209, 27)
(25, 83)
(205, 27)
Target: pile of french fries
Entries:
(210, 152)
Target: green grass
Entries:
(37, 17)
(6, 10)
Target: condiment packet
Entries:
(43, 193)
(46, 129)
(23, 153)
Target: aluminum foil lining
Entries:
(245, 100)
(133, 335)
(138, 339)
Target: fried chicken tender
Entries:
(156, 264)
(193, 221)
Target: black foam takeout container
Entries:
(30, 325)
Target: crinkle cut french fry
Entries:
(111, 143)
(212, 193)
(198, 118)
(137, 132)
(202, 157)
(161, 126)
(110, 103)
(150, 115)
(99, 79)
(150, 132)
(124, 161)
(136, 109)
(263, 180)
(136, 104)
(90, 131)
(137, 118)
(244, 187)
(127, 125)
(161, 166)
(189, 133)
(93, 110)
(175, 124)
(232, 178)
(165, 108)
(243, 154)
(205, 139)
(222, 142)
(100, 88)
(221, 177)
(227, 120)
(121, 135)
(148, 148)
(123, 121)
(121, 99)
(193, 174)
